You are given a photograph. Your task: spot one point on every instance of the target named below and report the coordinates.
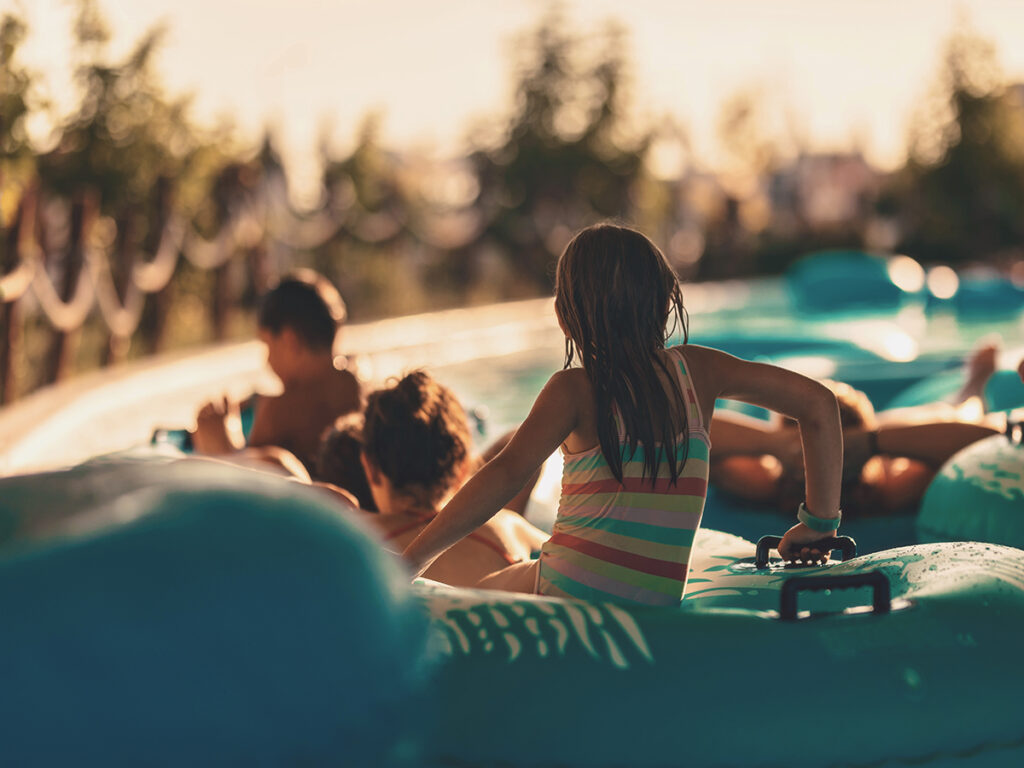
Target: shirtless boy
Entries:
(298, 322)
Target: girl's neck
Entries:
(406, 506)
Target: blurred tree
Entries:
(367, 179)
(365, 191)
(15, 84)
(125, 134)
(15, 157)
(743, 133)
(134, 151)
(961, 194)
(752, 154)
(566, 157)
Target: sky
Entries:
(842, 73)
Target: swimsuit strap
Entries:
(689, 393)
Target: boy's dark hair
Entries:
(417, 435)
(338, 460)
(306, 302)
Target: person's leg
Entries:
(968, 404)
(980, 367)
(521, 577)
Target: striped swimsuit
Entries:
(628, 542)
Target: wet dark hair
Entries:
(417, 435)
(614, 293)
(306, 302)
(338, 461)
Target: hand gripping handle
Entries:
(766, 543)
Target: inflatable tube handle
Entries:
(881, 601)
(767, 543)
(1015, 432)
(179, 438)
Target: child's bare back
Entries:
(297, 418)
(298, 323)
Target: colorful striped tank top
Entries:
(628, 542)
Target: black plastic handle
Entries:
(1015, 432)
(881, 600)
(767, 543)
(180, 438)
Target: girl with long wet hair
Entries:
(631, 417)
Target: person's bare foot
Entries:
(980, 367)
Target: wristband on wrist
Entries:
(819, 524)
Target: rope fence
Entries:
(98, 269)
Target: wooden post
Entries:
(10, 350)
(123, 254)
(259, 270)
(221, 300)
(65, 343)
(153, 325)
(11, 329)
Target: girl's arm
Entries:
(553, 417)
(814, 408)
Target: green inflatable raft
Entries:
(161, 611)
(924, 676)
(978, 494)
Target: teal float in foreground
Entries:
(210, 617)
(977, 495)
(194, 614)
(723, 681)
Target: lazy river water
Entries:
(906, 354)
(498, 358)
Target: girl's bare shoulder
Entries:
(699, 354)
(569, 381)
(709, 364)
(700, 361)
(703, 366)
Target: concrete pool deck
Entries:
(116, 408)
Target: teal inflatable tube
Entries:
(987, 297)
(770, 346)
(723, 681)
(197, 614)
(193, 613)
(977, 495)
(843, 281)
